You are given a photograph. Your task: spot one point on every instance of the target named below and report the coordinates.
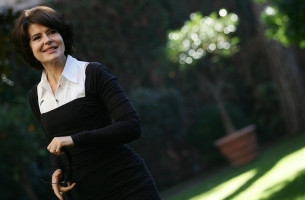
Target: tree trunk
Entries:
(286, 76)
(225, 117)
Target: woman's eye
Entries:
(36, 38)
(52, 31)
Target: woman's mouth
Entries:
(49, 49)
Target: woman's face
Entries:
(47, 44)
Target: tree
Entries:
(284, 21)
(126, 36)
(23, 155)
(6, 48)
(208, 37)
(284, 70)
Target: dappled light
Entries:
(278, 24)
(196, 72)
(225, 189)
(6, 80)
(204, 34)
(286, 169)
(263, 179)
(269, 10)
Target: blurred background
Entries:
(195, 70)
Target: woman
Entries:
(76, 103)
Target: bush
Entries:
(162, 145)
(22, 152)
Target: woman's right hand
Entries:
(57, 188)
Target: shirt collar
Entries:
(69, 72)
(44, 80)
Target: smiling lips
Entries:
(49, 49)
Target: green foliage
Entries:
(284, 21)
(267, 118)
(22, 148)
(23, 156)
(203, 35)
(276, 24)
(127, 36)
(6, 47)
(15, 77)
(162, 116)
(6, 23)
(164, 108)
(18, 130)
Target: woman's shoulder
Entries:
(33, 91)
(33, 100)
(97, 77)
(96, 69)
(95, 66)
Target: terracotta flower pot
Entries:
(239, 147)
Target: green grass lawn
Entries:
(277, 174)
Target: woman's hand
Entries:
(58, 190)
(56, 145)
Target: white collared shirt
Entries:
(71, 86)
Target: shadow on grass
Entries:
(265, 163)
(262, 165)
(290, 189)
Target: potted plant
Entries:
(211, 37)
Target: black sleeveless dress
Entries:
(101, 124)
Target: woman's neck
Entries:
(54, 71)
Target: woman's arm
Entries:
(126, 126)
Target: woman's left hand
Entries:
(56, 145)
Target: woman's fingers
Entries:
(66, 189)
(55, 186)
(56, 145)
(57, 191)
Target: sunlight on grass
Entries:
(286, 169)
(271, 182)
(277, 174)
(225, 189)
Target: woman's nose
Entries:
(48, 40)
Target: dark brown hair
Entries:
(45, 16)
